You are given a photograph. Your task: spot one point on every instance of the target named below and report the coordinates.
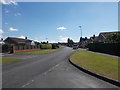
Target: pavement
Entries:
(48, 71)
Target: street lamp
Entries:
(80, 30)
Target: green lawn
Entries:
(8, 60)
(41, 51)
(100, 64)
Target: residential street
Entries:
(48, 71)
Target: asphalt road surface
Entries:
(48, 71)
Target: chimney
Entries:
(25, 37)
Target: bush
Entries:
(6, 48)
(54, 46)
(109, 48)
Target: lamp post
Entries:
(46, 40)
(80, 30)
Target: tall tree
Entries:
(70, 42)
(81, 39)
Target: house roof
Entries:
(18, 40)
(95, 39)
(106, 34)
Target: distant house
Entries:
(83, 43)
(103, 36)
(1, 42)
(18, 41)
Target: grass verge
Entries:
(8, 60)
(40, 51)
(100, 64)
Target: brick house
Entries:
(18, 41)
(103, 36)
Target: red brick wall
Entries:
(27, 50)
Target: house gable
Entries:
(17, 41)
(103, 36)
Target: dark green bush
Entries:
(55, 46)
(6, 48)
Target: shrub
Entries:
(54, 46)
(6, 48)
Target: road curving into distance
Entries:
(48, 71)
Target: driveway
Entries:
(48, 71)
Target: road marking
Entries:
(28, 83)
(50, 70)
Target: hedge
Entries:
(109, 48)
(45, 46)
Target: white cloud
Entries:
(3, 2)
(13, 29)
(62, 39)
(1, 31)
(52, 41)
(23, 37)
(36, 40)
(8, 2)
(13, 2)
(17, 14)
(61, 28)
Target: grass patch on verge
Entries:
(41, 51)
(100, 64)
(8, 60)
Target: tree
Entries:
(36, 43)
(70, 42)
(85, 38)
(113, 38)
(81, 39)
(93, 36)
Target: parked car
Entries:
(75, 46)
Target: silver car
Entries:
(75, 46)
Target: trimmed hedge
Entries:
(49, 46)
(45, 46)
(109, 48)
